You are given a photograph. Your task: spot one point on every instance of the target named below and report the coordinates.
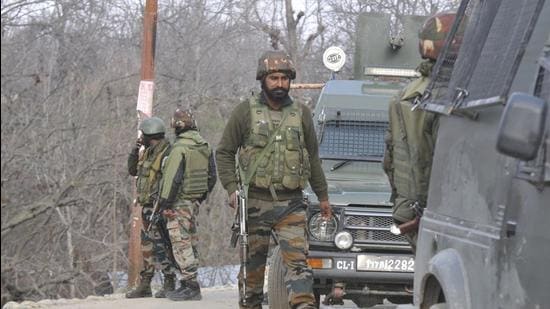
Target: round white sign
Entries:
(334, 58)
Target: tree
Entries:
(62, 181)
(295, 32)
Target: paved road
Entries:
(213, 298)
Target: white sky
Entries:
(298, 5)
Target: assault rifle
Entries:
(240, 230)
(157, 219)
(156, 215)
(411, 225)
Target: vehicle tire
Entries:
(276, 288)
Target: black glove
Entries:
(134, 153)
(146, 212)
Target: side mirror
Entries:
(522, 126)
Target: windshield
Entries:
(354, 140)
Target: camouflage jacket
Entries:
(410, 142)
(235, 135)
(189, 171)
(148, 169)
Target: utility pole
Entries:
(144, 110)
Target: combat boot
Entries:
(189, 290)
(169, 286)
(183, 286)
(143, 289)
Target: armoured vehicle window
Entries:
(482, 73)
(355, 138)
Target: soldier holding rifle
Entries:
(277, 149)
(147, 168)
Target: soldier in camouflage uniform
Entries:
(189, 174)
(411, 135)
(148, 169)
(277, 150)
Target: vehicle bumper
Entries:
(334, 274)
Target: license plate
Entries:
(345, 264)
(385, 263)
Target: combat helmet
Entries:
(433, 32)
(184, 119)
(275, 61)
(152, 126)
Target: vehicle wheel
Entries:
(276, 288)
(367, 300)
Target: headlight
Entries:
(343, 240)
(322, 229)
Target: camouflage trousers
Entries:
(288, 220)
(153, 248)
(184, 238)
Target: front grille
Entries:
(363, 220)
(372, 228)
(377, 237)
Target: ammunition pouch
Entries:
(284, 163)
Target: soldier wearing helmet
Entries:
(275, 71)
(183, 119)
(411, 135)
(433, 33)
(273, 137)
(147, 168)
(189, 174)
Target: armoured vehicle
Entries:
(355, 256)
(484, 240)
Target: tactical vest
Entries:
(196, 152)
(412, 144)
(285, 165)
(149, 172)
